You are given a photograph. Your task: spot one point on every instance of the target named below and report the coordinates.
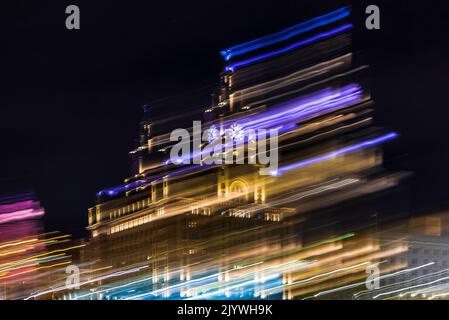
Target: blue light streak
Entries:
(291, 47)
(286, 33)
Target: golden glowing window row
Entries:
(136, 222)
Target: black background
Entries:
(70, 101)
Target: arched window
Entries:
(239, 192)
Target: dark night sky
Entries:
(70, 101)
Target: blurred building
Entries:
(298, 230)
(31, 260)
(424, 267)
(19, 229)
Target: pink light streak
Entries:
(21, 215)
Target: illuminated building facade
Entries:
(174, 223)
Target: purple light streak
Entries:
(328, 156)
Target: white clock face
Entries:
(236, 132)
(212, 134)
